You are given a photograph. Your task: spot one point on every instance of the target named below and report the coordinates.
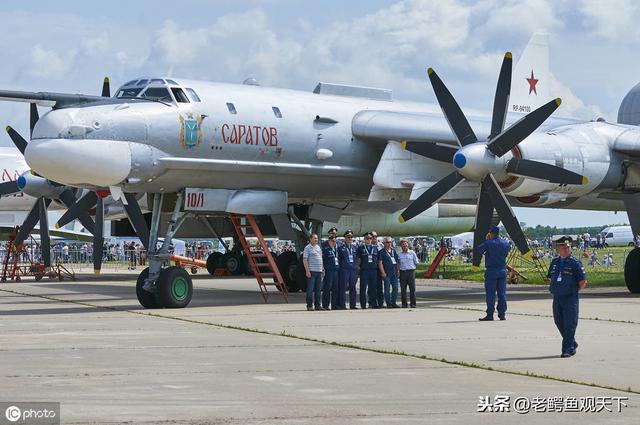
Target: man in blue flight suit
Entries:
(495, 250)
(347, 274)
(331, 266)
(367, 264)
(389, 268)
(567, 279)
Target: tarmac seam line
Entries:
(339, 344)
(595, 319)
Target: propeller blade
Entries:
(69, 199)
(8, 188)
(522, 128)
(98, 239)
(501, 100)
(431, 196)
(506, 215)
(30, 222)
(33, 118)
(431, 150)
(106, 90)
(17, 139)
(80, 207)
(484, 213)
(451, 110)
(132, 208)
(45, 241)
(542, 171)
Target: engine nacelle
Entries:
(579, 148)
(37, 186)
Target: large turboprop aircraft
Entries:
(205, 148)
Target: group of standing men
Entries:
(332, 268)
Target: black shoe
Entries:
(565, 355)
(309, 308)
(404, 306)
(413, 306)
(325, 308)
(376, 306)
(318, 308)
(486, 319)
(395, 306)
(502, 317)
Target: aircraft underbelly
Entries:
(296, 184)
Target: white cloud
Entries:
(612, 19)
(46, 63)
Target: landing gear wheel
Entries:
(145, 298)
(301, 278)
(233, 262)
(175, 288)
(288, 265)
(632, 271)
(214, 261)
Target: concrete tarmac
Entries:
(231, 358)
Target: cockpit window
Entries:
(179, 95)
(171, 82)
(142, 82)
(193, 95)
(156, 81)
(129, 92)
(158, 93)
(130, 83)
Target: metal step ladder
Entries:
(436, 262)
(261, 261)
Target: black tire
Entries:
(287, 263)
(234, 263)
(175, 287)
(246, 268)
(145, 298)
(632, 271)
(214, 262)
(301, 278)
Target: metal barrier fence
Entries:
(81, 260)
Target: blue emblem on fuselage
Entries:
(191, 130)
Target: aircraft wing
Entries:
(6, 231)
(47, 98)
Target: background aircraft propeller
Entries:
(480, 160)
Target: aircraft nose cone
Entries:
(80, 161)
(459, 160)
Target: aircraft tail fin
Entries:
(531, 76)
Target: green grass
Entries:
(597, 276)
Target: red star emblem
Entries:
(532, 83)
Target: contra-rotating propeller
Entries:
(96, 199)
(478, 161)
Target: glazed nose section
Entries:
(80, 161)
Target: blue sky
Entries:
(72, 45)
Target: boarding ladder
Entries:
(436, 262)
(261, 261)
